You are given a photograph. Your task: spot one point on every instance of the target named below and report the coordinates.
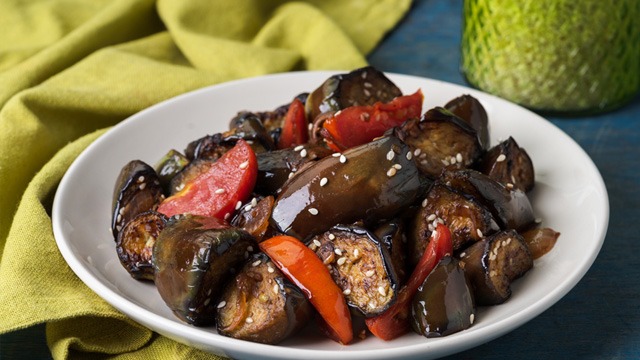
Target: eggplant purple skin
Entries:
(137, 190)
(469, 109)
(135, 242)
(392, 235)
(515, 169)
(192, 258)
(510, 207)
(444, 304)
(361, 184)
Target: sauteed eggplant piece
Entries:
(510, 165)
(190, 172)
(369, 182)
(254, 216)
(261, 305)
(540, 240)
(392, 235)
(192, 258)
(494, 263)
(364, 86)
(209, 147)
(135, 243)
(467, 220)
(276, 167)
(360, 265)
(137, 190)
(510, 207)
(440, 140)
(444, 303)
(169, 167)
(469, 109)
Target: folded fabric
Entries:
(70, 69)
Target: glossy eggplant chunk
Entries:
(468, 220)
(261, 305)
(510, 165)
(510, 207)
(369, 182)
(540, 240)
(444, 303)
(209, 147)
(249, 127)
(168, 167)
(494, 263)
(135, 242)
(276, 167)
(192, 258)
(190, 172)
(364, 86)
(440, 140)
(254, 216)
(469, 109)
(392, 235)
(137, 190)
(360, 265)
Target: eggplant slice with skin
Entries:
(494, 263)
(510, 165)
(392, 235)
(192, 258)
(135, 243)
(137, 190)
(169, 167)
(469, 109)
(261, 305)
(440, 140)
(360, 265)
(444, 304)
(254, 216)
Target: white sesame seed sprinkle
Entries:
(417, 152)
(142, 186)
(244, 165)
(323, 181)
(479, 232)
(471, 318)
(338, 252)
(370, 273)
(316, 242)
(180, 187)
(303, 153)
(431, 217)
(313, 211)
(459, 157)
(391, 172)
(445, 162)
(290, 175)
(336, 154)
(254, 202)
(382, 291)
(276, 288)
(222, 304)
(298, 148)
(270, 269)
(227, 216)
(453, 160)
(249, 248)
(356, 252)
(207, 301)
(238, 205)
(332, 237)
(140, 179)
(343, 159)
(249, 320)
(342, 260)
(346, 291)
(390, 155)
(409, 155)
(256, 263)
(501, 158)
(397, 166)
(425, 202)
(219, 191)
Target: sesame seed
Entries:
(501, 158)
(270, 269)
(431, 227)
(209, 292)
(336, 154)
(219, 191)
(371, 304)
(463, 254)
(276, 288)
(317, 242)
(343, 159)
(431, 217)
(332, 237)
(382, 291)
(453, 160)
(222, 304)
(471, 318)
(303, 153)
(509, 186)
(338, 252)
(508, 241)
(207, 301)
(391, 172)
(366, 92)
(290, 175)
(248, 207)
(310, 126)
(142, 186)
(367, 84)
(424, 202)
(479, 232)
(397, 166)
(313, 211)
(342, 260)
(119, 227)
(256, 263)
(119, 218)
(356, 253)
(227, 216)
(141, 179)
(180, 187)
(346, 291)
(417, 152)
(298, 148)
(244, 165)
(390, 155)
(238, 205)
(249, 248)
(459, 157)
(323, 181)
(409, 155)
(370, 273)
(249, 320)
(254, 202)
(445, 162)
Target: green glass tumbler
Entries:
(556, 56)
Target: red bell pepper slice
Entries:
(357, 125)
(303, 267)
(216, 191)
(394, 321)
(294, 129)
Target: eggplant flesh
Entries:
(440, 140)
(137, 190)
(369, 182)
(467, 220)
(494, 263)
(261, 305)
(360, 265)
(253, 217)
(192, 258)
(510, 207)
(510, 165)
(135, 242)
(469, 109)
(444, 304)
(364, 86)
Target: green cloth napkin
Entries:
(70, 69)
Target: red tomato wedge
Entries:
(303, 267)
(357, 125)
(394, 321)
(216, 191)
(294, 129)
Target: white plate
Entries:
(570, 197)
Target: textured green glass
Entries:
(563, 56)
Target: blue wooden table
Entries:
(600, 317)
